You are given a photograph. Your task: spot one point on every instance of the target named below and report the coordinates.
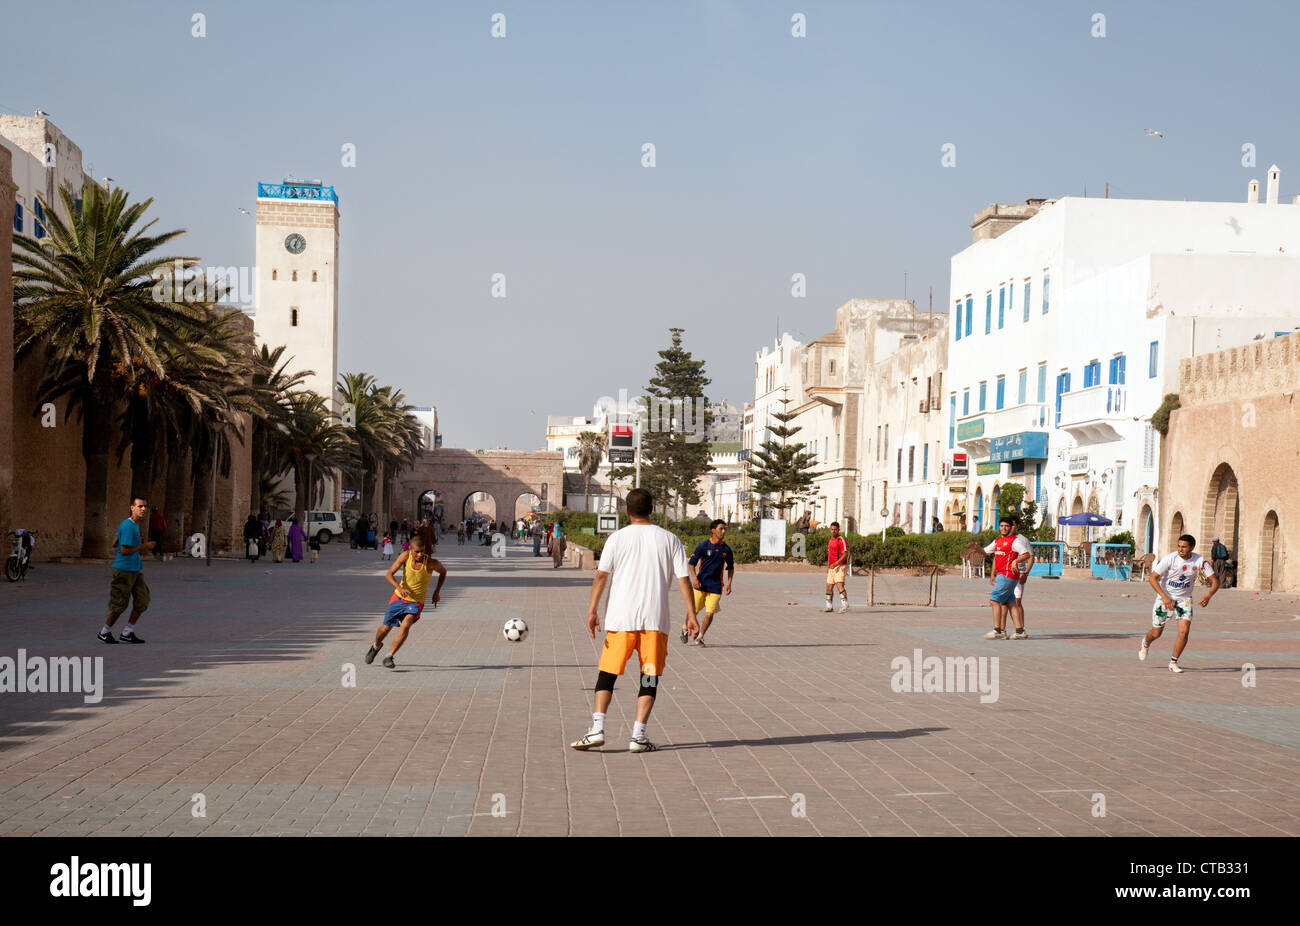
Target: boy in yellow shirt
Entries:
(408, 598)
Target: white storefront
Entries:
(1065, 334)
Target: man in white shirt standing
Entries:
(1173, 578)
(639, 563)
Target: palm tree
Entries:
(273, 390)
(88, 296)
(591, 447)
(366, 415)
(312, 444)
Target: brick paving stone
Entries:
(240, 696)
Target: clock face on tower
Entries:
(295, 243)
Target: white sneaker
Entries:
(590, 740)
(843, 608)
(995, 635)
(827, 609)
(1174, 668)
(641, 745)
(1142, 651)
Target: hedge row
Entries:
(899, 549)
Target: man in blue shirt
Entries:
(128, 575)
(706, 565)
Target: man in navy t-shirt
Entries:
(706, 565)
(128, 575)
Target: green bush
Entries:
(895, 532)
(1121, 537)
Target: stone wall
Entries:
(7, 190)
(457, 474)
(1228, 462)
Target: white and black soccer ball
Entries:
(515, 630)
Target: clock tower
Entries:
(297, 279)
(297, 286)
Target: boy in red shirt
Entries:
(837, 558)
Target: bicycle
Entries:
(21, 558)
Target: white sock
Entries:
(107, 629)
(638, 730)
(130, 628)
(597, 723)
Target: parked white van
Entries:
(323, 525)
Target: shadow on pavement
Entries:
(855, 737)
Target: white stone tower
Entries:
(297, 284)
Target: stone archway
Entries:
(1146, 535)
(504, 475)
(1221, 509)
(1176, 529)
(977, 524)
(1270, 553)
(1076, 534)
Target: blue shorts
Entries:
(1004, 590)
(398, 608)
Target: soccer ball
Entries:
(515, 630)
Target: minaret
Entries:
(297, 278)
(297, 287)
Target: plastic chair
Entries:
(972, 560)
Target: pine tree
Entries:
(674, 451)
(782, 469)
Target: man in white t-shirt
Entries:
(640, 563)
(1174, 579)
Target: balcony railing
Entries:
(975, 432)
(307, 191)
(1090, 414)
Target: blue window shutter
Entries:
(1155, 353)
(1047, 280)
(1002, 306)
(1123, 362)
(1026, 307)
(18, 218)
(988, 313)
(970, 302)
(39, 223)
(952, 420)
(1023, 386)
(984, 392)
(1042, 383)
(958, 320)
(965, 403)
(1002, 392)
(925, 462)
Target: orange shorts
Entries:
(620, 644)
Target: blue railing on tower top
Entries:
(290, 190)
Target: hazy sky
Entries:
(523, 156)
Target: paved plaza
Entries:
(788, 723)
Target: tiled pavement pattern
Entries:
(238, 696)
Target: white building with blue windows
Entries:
(1068, 321)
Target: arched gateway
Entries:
(456, 475)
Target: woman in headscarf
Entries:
(297, 539)
(252, 538)
(558, 544)
(279, 539)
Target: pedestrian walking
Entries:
(640, 563)
(128, 585)
(837, 558)
(387, 552)
(313, 544)
(297, 539)
(157, 529)
(559, 543)
(706, 564)
(460, 533)
(1219, 554)
(408, 597)
(279, 540)
(1008, 552)
(252, 538)
(1173, 578)
(537, 538)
